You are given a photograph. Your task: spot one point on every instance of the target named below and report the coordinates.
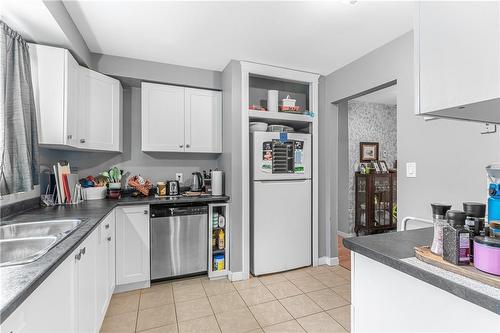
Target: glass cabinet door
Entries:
(361, 202)
(382, 200)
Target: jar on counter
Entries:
(456, 239)
(438, 216)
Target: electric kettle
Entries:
(197, 182)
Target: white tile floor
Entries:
(314, 299)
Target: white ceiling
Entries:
(319, 37)
(383, 96)
(33, 21)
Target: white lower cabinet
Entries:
(105, 266)
(75, 297)
(132, 245)
(85, 265)
(51, 307)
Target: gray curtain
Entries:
(18, 131)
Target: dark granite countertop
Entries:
(393, 249)
(19, 281)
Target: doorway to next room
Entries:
(367, 165)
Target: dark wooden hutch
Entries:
(375, 202)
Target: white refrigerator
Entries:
(280, 215)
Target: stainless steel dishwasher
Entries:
(179, 240)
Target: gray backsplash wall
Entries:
(369, 122)
(154, 166)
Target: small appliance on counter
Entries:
(173, 188)
(494, 192)
(197, 183)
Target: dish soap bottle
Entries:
(220, 239)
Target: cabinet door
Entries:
(203, 118)
(457, 53)
(54, 75)
(71, 101)
(162, 117)
(111, 241)
(102, 269)
(132, 244)
(86, 285)
(51, 306)
(100, 118)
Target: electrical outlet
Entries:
(411, 170)
(179, 177)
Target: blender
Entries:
(494, 192)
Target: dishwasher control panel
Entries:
(158, 211)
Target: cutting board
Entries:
(424, 253)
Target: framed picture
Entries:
(368, 151)
(383, 167)
(376, 166)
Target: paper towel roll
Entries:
(217, 176)
(272, 100)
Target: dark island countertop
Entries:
(396, 249)
(19, 281)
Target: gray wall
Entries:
(344, 171)
(450, 155)
(155, 166)
(157, 72)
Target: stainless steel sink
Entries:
(24, 250)
(38, 229)
(21, 243)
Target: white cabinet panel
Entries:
(162, 117)
(104, 274)
(85, 257)
(177, 119)
(457, 55)
(55, 86)
(50, 308)
(132, 244)
(111, 241)
(203, 119)
(100, 122)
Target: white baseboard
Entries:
(328, 261)
(235, 276)
(132, 286)
(345, 234)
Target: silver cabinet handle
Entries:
(83, 250)
(79, 255)
(187, 146)
(180, 146)
(109, 239)
(106, 226)
(82, 140)
(145, 212)
(70, 136)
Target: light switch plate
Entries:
(411, 170)
(179, 177)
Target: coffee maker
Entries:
(494, 192)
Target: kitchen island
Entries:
(392, 291)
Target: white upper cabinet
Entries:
(55, 85)
(203, 121)
(162, 117)
(178, 119)
(100, 118)
(457, 57)
(77, 108)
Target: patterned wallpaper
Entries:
(370, 122)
